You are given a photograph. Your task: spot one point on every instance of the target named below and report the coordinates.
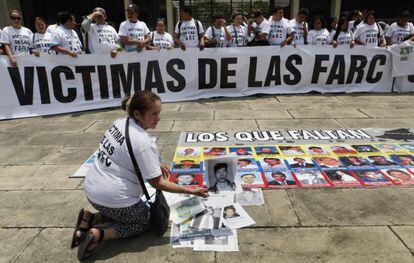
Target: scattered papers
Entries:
(218, 243)
(186, 209)
(85, 167)
(234, 216)
(250, 197)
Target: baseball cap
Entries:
(132, 7)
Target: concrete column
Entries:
(336, 8)
(294, 8)
(170, 15)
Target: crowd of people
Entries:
(352, 28)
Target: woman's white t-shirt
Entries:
(112, 181)
(162, 41)
(20, 40)
(398, 34)
(136, 31)
(279, 30)
(298, 29)
(67, 38)
(368, 34)
(239, 36)
(219, 35)
(102, 39)
(318, 37)
(43, 43)
(344, 38)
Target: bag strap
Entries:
(235, 36)
(134, 161)
(198, 28)
(152, 38)
(179, 28)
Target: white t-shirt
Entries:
(20, 40)
(67, 38)
(263, 27)
(43, 43)
(318, 37)
(344, 38)
(299, 38)
(51, 28)
(102, 38)
(279, 30)
(137, 31)
(112, 182)
(219, 35)
(239, 36)
(188, 32)
(368, 34)
(398, 34)
(162, 41)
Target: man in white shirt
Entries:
(300, 27)
(238, 31)
(217, 35)
(161, 39)
(101, 38)
(134, 34)
(259, 30)
(281, 33)
(188, 32)
(400, 30)
(65, 40)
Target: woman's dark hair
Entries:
(276, 9)
(303, 11)
(233, 16)
(319, 17)
(369, 13)
(64, 17)
(329, 23)
(142, 101)
(187, 9)
(341, 22)
(219, 16)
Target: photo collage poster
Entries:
(311, 165)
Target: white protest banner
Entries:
(404, 84)
(402, 59)
(59, 84)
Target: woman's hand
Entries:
(165, 169)
(203, 192)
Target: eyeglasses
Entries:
(15, 18)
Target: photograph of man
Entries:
(272, 163)
(208, 219)
(185, 179)
(214, 151)
(252, 179)
(369, 176)
(365, 148)
(291, 150)
(230, 212)
(301, 162)
(266, 150)
(186, 165)
(189, 152)
(241, 151)
(247, 164)
(404, 159)
(328, 162)
(339, 176)
(379, 160)
(408, 146)
(280, 178)
(316, 150)
(221, 179)
(343, 149)
(309, 178)
(386, 147)
(249, 197)
(354, 161)
(400, 176)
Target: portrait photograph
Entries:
(187, 165)
(365, 148)
(408, 146)
(280, 179)
(234, 217)
(342, 177)
(316, 150)
(399, 176)
(372, 177)
(328, 162)
(342, 149)
(291, 150)
(221, 173)
(406, 160)
(300, 163)
(381, 160)
(355, 161)
(266, 150)
(250, 197)
(272, 163)
(208, 219)
(215, 151)
(188, 152)
(249, 179)
(241, 151)
(389, 147)
(187, 179)
(311, 178)
(247, 164)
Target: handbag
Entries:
(159, 209)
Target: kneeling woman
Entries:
(112, 186)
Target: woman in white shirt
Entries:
(65, 39)
(238, 31)
(159, 38)
(342, 35)
(370, 33)
(42, 40)
(319, 35)
(17, 39)
(112, 186)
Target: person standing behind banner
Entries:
(281, 33)
(342, 36)
(100, 38)
(356, 19)
(300, 27)
(188, 32)
(134, 34)
(238, 31)
(258, 30)
(17, 39)
(331, 24)
(65, 39)
(370, 33)
(399, 30)
(319, 35)
(159, 38)
(42, 40)
(217, 35)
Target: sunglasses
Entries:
(15, 18)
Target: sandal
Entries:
(75, 239)
(84, 250)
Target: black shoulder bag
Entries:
(159, 209)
